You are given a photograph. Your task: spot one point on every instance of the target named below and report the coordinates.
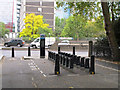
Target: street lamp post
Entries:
(49, 40)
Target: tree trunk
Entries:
(110, 32)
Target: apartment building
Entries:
(39, 7)
(18, 6)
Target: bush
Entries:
(102, 48)
(102, 41)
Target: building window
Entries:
(40, 3)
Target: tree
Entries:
(94, 28)
(32, 24)
(109, 19)
(91, 9)
(74, 27)
(59, 26)
(3, 30)
(45, 31)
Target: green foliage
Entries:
(27, 40)
(3, 30)
(59, 26)
(74, 27)
(94, 28)
(85, 9)
(102, 48)
(45, 31)
(78, 27)
(114, 8)
(102, 41)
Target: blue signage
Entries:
(42, 36)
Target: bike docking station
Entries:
(71, 60)
(42, 46)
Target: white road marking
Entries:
(52, 75)
(108, 67)
(41, 71)
(34, 69)
(34, 84)
(30, 63)
(44, 75)
(32, 78)
(36, 66)
(33, 66)
(105, 61)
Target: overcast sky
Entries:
(6, 10)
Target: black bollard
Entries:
(78, 60)
(82, 61)
(64, 59)
(42, 46)
(53, 56)
(61, 60)
(75, 59)
(57, 66)
(29, 53)
(90, 52)
(73, 50)
(87, 63)
(12, 51)
(67, 62)
(71, 62)
(48, 55)
(59, 50)
(92, 65)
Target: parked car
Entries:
(64, 42)
(15, 42)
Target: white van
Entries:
(48, 42)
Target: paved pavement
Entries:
(39, 73)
